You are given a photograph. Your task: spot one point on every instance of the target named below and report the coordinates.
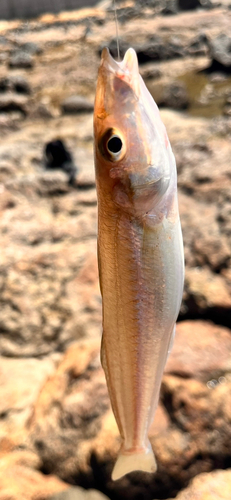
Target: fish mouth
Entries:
(127, 69)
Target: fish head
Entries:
(133, 157)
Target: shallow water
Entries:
(207, 97)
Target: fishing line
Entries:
(117, 29)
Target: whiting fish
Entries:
(140, 251)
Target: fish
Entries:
(140, 251)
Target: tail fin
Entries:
(127, 462)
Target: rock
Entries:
(214, 485)
(170, 7)
(194, 4)
(31, 48)
(19, 479)
(76, 104)
(175, 48)
(175, 96)
(20, 383)
(10, 121)
(21, 59)
(199, 240)
(75, 435)
(198, 46)
(194, 338)
(149, 71)
(15, 83)
(7, 171)
(41, 110)
(153, 50)
(220, 53)
(59, 304)
(73, 429)
(13, 102)
(79, 494)
(79, 387)
(206, 290)
(58, 156)
(126, 14)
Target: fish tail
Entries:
(129, 461)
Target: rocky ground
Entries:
(58, 437)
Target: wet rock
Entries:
(216, 484)
(15, 83)
(79, 494)
(13, 102)
(220, 52)
(175, 96)
(76, 104)
(20, 479)
(21, 59)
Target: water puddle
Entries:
(207, 93)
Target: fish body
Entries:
(140, 251)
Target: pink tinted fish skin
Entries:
(140, 252)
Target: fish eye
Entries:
(114, 144)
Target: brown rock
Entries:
(201, 350)
(69, 409)
(204, 243)
(215, 485)
(20, 481)
(20, 383)
(76, 104)
(13, 102)
(73, 426)
(207, 289)
(79, 494)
